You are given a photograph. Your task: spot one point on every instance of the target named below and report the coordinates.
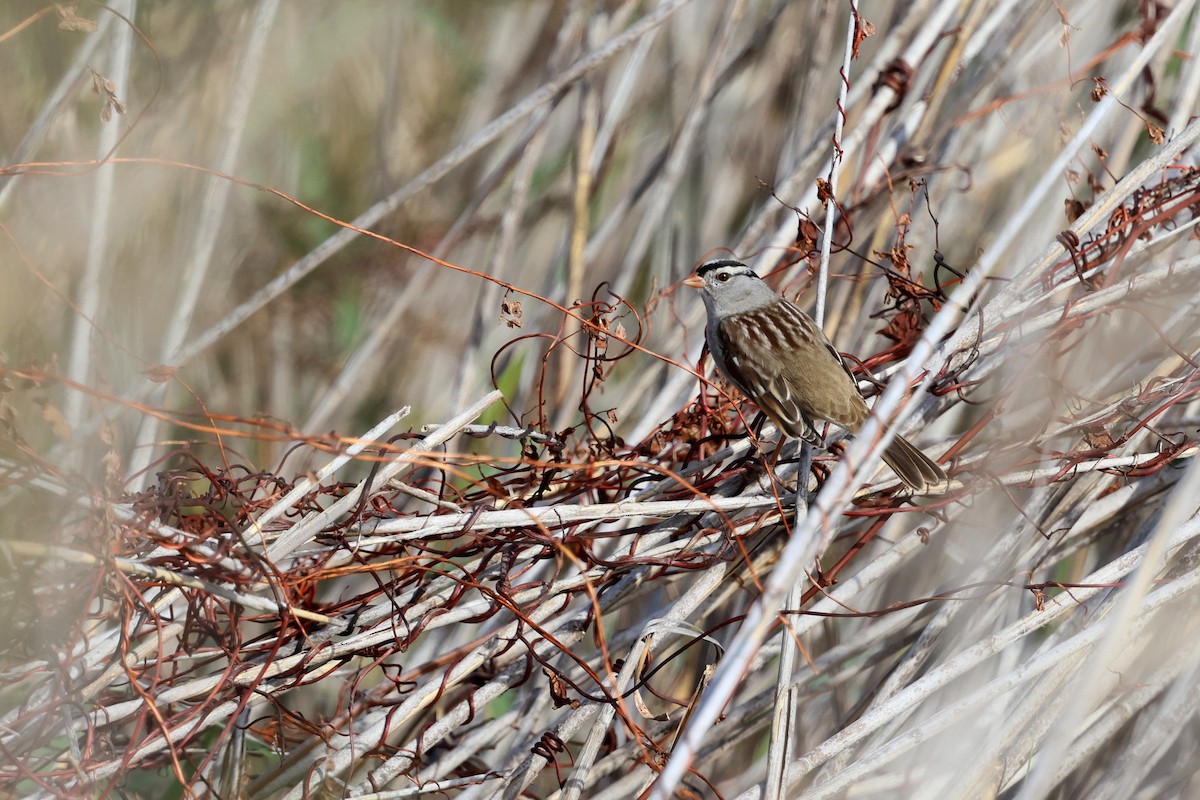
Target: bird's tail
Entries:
(912, 466)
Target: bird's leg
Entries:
(773, 461)
(755, 454)
(757, 423)
(754, 432)
(777, 461)
(810, 438)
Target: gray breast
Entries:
(719, 357)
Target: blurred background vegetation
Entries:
(197, 299)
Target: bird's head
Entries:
(730, 287)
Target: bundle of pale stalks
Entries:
(358, 443)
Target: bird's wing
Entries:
(755, 345)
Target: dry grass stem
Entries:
(356, 437)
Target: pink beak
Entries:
(696, 282)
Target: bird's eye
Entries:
(722, 276)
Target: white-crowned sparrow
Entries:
(777, 356)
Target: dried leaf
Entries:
(597, 333)
(107, 433)
(823, 193)
(863, 30)
(114, 475)
(108, 94)
(645, 711)
(1156, 134)
(904, 328)
(1099, 439)
(558, 690)
(807, 235)
(69, 20)
(1074, 209)
(58, 423)
(510, 312)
